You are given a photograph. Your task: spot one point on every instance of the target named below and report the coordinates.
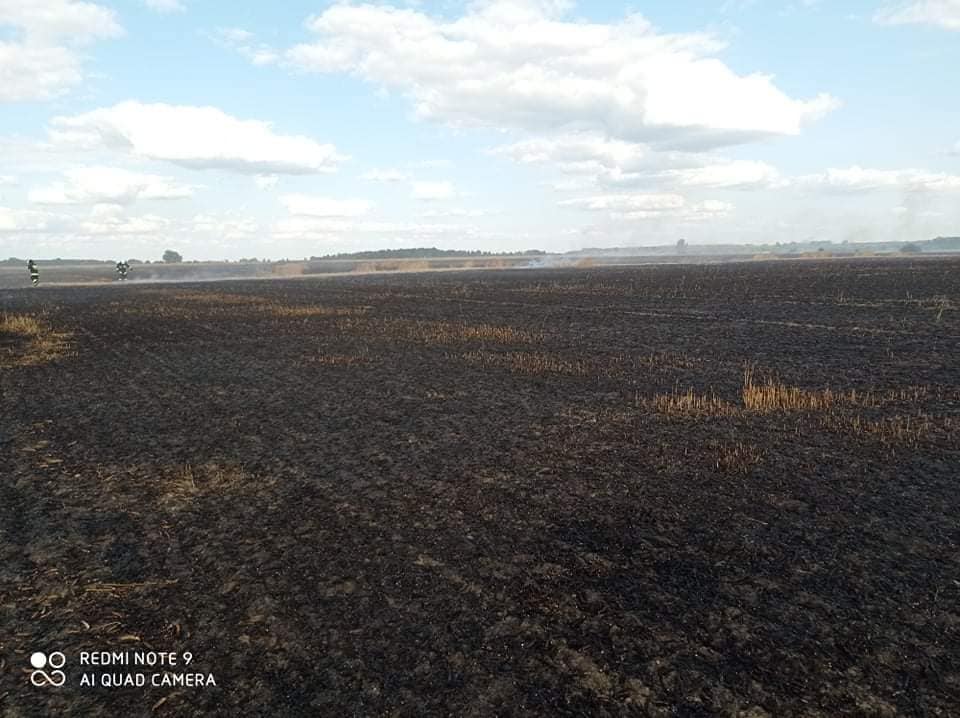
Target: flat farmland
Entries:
(725, 490)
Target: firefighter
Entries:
(34, 272)
(122, 269)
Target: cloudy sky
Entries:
(227, 130)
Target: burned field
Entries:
(719, 490)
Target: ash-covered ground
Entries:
(665, 491)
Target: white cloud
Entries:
(312, 206)
(572, 184)
(627, 203)
(738, 174)
(432, 164)
(578, 153)
(385, 175)
(195, 137)
(110, 219)
(51, 21)
(165, 6)
(711, 208)
(520, 64)
(42, 60)
(90, 185)
(332, 228)
(433, 191)
(602, 162)
(650, 206)
(940, 13)
(455, 212)
(266, 182)
(245, 43)
(7, 180)
(859, 179)
(229, 227)
(26, 220)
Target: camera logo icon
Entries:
(40, 677)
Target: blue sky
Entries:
(228, 130)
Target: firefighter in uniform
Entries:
(122, 269)
(34, 272)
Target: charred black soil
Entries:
(676, 491)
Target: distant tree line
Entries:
(426, 253)
(940, 244)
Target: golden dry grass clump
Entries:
(26, 340)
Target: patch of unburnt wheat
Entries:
(436, 395)
(689, 403)
(189, 483)
(335, 359)
(21, 324)
(219, 298)
(655, 361)
(530, 363)
(940, 305)
(217, 302)
(281, 310)
(573, 288)
(26, 340)
(438, 332)
(586, 673)
(772, 395)
(898, 430)
(738, 458)
(446, 332)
